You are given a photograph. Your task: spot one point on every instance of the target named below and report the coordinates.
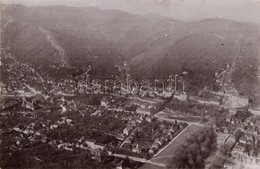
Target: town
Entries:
(143, 127)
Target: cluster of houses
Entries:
(168, 134)
(29, 133)
(247, 146)
(243, 137)
(95, 148)
(18, 75)
(231, 98)
(148, 146)
(37, 132)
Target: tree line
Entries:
(194, 152)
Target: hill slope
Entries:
(60, 39)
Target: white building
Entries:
(255, 110)
(236, 101)
(143, 111)
(181, 96)
(94, 146)
(208, 101)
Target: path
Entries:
(55, 45)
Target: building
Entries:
(255, 110)
(166, 94)
(235, 101)
(104, 103)
(128, 129)
(93, 146)
(181, 96)
(136, 149)
(149, 119)
(141, 104)
(143, 111)
(208, 101)
(118, 109)
(27, 104)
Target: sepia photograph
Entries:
(129, 84)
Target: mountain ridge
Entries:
(154, 47)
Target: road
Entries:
(142, 160)
(127, 137)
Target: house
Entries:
(96, 154)
(136, 149)
(255, 110)
(143, 111)
(159, 142)
(119, 166)
(97, 112)
(127, 141)
(133, 123)
(52, 142)
(151, 94)
(31, 138)
(63, 108)
(27, 104)
(53, 126)
(249, 136)
(181, 96)
(119, 109)
(44, 139)
(128, 129)
(156, 145)
(167, 94)
(153, 150)
(104, 103)
(250, 142)
(94, 146)
(229, 118)
(81, 139)
(149, 119)
(68, 121)
(2, 88)
(243, 140)
(140, 103)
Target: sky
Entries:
(187, 10)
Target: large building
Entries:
(181, 96)
(235, 101)
(255, 110)
(143, 111)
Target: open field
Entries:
(168, 152)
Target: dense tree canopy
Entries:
(194, 152)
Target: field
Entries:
(163, 156)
